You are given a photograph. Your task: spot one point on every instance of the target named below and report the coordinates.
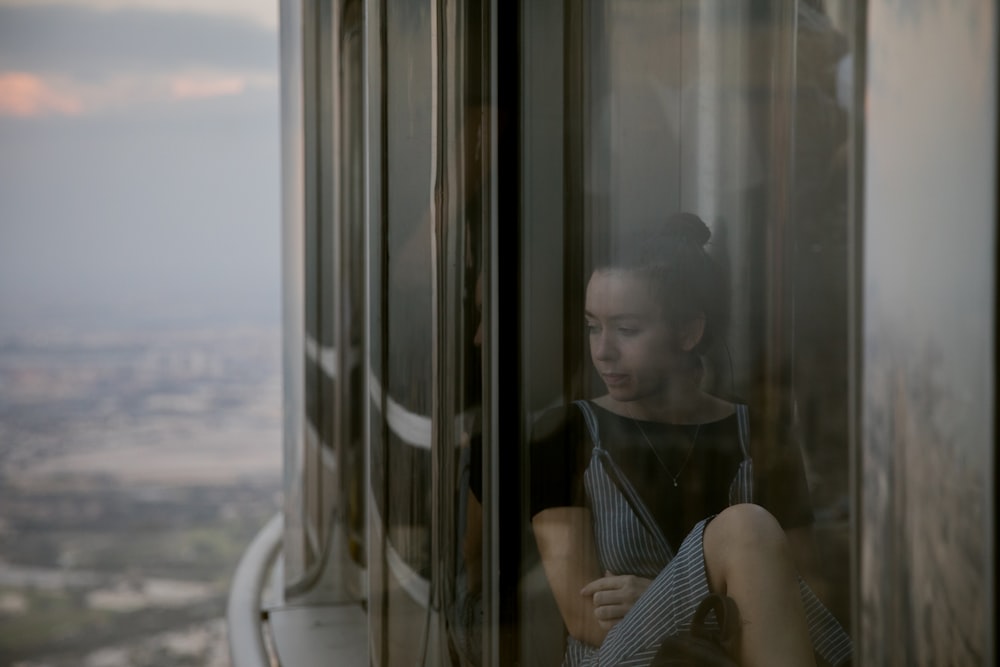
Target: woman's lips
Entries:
(614, 379)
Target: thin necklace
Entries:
(653, 449)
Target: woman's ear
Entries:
(690, 333)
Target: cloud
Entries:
(25, 95)
(263, 12)
(88, 43)
(185, 87)
(139, 166)
(73, 60)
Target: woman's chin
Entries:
(621, 394)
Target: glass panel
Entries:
(376, 426)
(401, 382)
(549, 173)
(308, 492)
(352, 215)
(293, 272)
(409, 279)
(459, 279)
(332, 507)
(686, 252)
(319, 324)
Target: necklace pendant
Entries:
(649, 444)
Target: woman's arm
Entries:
(590, 604)
(565, 538)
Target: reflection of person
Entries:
(466, 611)
(641, 498)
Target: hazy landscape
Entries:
(134, 470)
(140, 445)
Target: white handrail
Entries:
(243, 612)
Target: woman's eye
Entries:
(626, 331)
(591, 328)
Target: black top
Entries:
(561, 451)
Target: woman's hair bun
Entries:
(689, 227)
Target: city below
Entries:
(134, 471)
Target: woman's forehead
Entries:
(621, 292)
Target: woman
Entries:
(641, 498)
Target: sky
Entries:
(139, 164)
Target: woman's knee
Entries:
(739, 533)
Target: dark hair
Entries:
(689, 282)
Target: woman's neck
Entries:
(682, 402)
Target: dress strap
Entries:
(741, 489)
(606, 468)
(743, 419)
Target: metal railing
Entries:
(244, 619)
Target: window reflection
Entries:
(707, 388)
(466, 215)
(400, 384)
(624, 484)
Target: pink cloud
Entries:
(189, 87)
(26, 95)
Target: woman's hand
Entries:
(613, 595)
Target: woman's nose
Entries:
(604, 347)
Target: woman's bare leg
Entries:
(747, 557)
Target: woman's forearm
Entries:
(565, 540)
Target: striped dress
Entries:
(629, 540)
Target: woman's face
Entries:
(631, 344)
